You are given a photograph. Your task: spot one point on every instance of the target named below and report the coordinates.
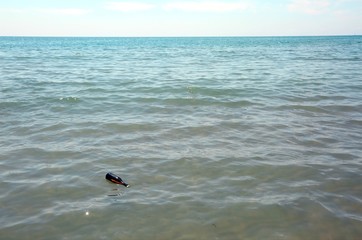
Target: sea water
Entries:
(219, 138)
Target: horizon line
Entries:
(177, 36)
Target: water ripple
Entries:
(219, 138)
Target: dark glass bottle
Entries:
(115, 179)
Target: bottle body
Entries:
(115, 179)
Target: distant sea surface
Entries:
(219, 138)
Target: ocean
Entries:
(218, 137)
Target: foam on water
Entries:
(219, 138)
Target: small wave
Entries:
(69, 99)
(347, 59)
(344, 108)
(306, 108)
(11, 104)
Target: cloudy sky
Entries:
(180, 17)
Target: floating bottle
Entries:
(115, 179)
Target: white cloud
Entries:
(189, 6)
(128, 6)
(12, 10)
(57, 11)
(64, 11)
(309, 6)
(207, 6)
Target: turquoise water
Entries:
(219, 138)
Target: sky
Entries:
(180, 17)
